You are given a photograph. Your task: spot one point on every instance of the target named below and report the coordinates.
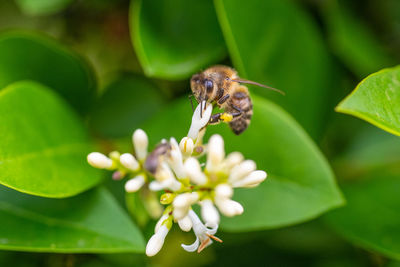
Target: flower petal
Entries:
(193, 247)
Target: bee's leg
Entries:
(238, 113)
(191, 101)
(223, 99)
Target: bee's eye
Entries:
(209, 85)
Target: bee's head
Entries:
(203, 87)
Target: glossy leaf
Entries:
(274, 42)
(352, 41)
(43, 145)
(376, 99)
(28, 56)
(174, 39)
(127, 102)
(90, 222)
(300, 185)
(372, 214)
(42, 7)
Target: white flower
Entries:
(203, 234)
(229, 207)
(242, 170)
(200, 119)
(251, 180)
(223, 191)
(135, 183)
(140, 142)
(175, 159)
(215, 153)
(160, 221)
(166, 178)
(209, 213)
(157, 241)
(182, 204)
(194, 172)
(186, 145)
(185, 223)
(99, 160)
(128, 161)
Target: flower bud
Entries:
(175, 159)
(140, 141)
(229, 207)
(186, 146)
(193, 170)
(223, 191)
(160, 221)
(156, 241)
(182, 204)
(128, 161)
(251, 180)
(233, 159)
(242, 170)
(209, 213)
(185, 224)
(167, 198)
(98, 160)
(135, 184)
(215, 153)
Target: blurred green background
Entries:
(124, 64)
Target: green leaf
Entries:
(29, 56)
(372, 214)
(376, 99)
(42, 7)
(300, 185)
(43, 146)
(352, 41)
(274, 42)
(91, 222)
(174, 39)
(127, 102)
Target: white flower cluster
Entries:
(175, 170)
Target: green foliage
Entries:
(78, 224)
(371, 217)
(174, 39)
(282, 49)
(44, 145)
(116, 112)
(29, 56)
(300, 185)
(42, 7)
(376, 100)
(353, 42)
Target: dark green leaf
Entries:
(91, 222)
(376, 99)
(126, 103)
(300, 185)
(28, 56)
(352, 41)
(42, 7)
(372, 214)
(43, 145)
(276, 43)
(174, 39)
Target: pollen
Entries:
(226, 117)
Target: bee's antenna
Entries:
(258, 84)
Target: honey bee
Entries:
(222, 86)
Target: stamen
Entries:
(203, 245)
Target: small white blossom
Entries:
(209, 213)
(242, 170)
(229, 207)
(223, 191)
(166, 178)
(215, 153)
(128, 161)
(185, 223)
(99, 160)
(160, 221)
(135, 183)
(200, 119)
(251, 180)
(140, 142)
(157, 241)
(194, 172)
(182, 204)
(175, 159)
(186, 145)
(203, 234)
